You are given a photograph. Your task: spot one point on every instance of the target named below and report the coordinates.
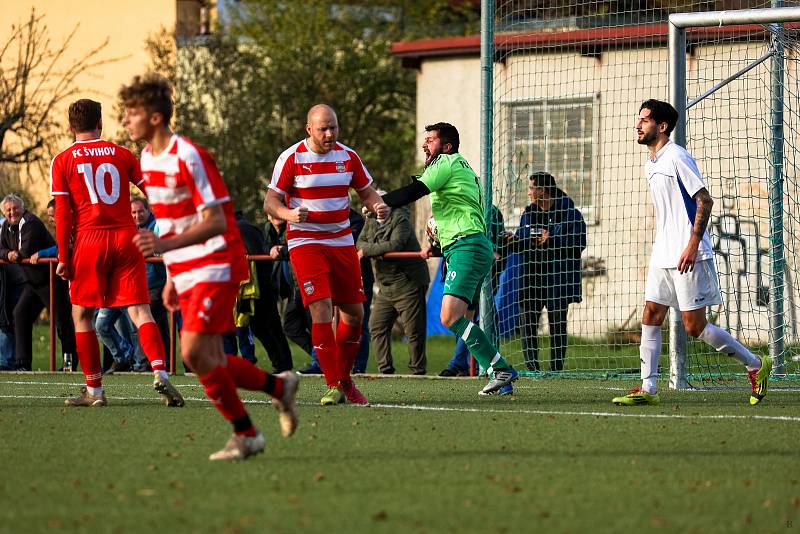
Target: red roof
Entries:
(595, 38)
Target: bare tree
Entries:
(35, 78)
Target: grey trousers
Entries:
(409, 309)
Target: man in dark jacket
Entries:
(11, 284)
(156, 272)
(21, 235)
(550, 238)
(265, 322)
(296, 320)
(401, 289)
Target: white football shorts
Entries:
(689, 291)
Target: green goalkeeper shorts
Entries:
(469, 262)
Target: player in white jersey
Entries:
(681, 272)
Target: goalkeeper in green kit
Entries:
(457, 205)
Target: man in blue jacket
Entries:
(550, 239)
(156, 279)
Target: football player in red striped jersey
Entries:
(310, 188)
(205, 261)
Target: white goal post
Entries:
(679, 23)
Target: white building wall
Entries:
(727, 135)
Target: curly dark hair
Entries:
(661, 112)
(151, 91)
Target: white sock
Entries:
(727, 344)
(94, 392)
(161, 374)
(649, 353)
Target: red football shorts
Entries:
(107, 270)
(328, 272)
(207, 308)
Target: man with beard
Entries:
(681, 272)
(458, 208)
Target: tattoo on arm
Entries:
(704, 205)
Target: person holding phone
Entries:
(550, 239)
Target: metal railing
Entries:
(173, 327)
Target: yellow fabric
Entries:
(249, 293)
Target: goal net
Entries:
(568, 82)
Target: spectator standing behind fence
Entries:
(112, 330)
(264, 321)
(402, 284)
(49, 252)
(144, 219)
(550, 239)
(296, 318)
(11, 284)
(21, 235)
(368, 280)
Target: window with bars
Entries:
(558, 136)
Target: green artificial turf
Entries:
(428, 456)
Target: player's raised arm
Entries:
(406, 194)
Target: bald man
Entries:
(310, 189)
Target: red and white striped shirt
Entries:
(181, 182)
(320, 182)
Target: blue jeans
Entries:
(314, 359)
(360, 365)
(8, 349)
(460, 359)
(121, 349)
(247, 346)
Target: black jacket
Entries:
(255, 243)
(27, 237)
(11, 282)
(552, 271)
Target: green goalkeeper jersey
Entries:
(456, 199)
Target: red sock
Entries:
(247, 376)
(325, 345)
(348, 340)
(221, 389)
(89, 355)
(153, 346)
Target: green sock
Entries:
(478, 344)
